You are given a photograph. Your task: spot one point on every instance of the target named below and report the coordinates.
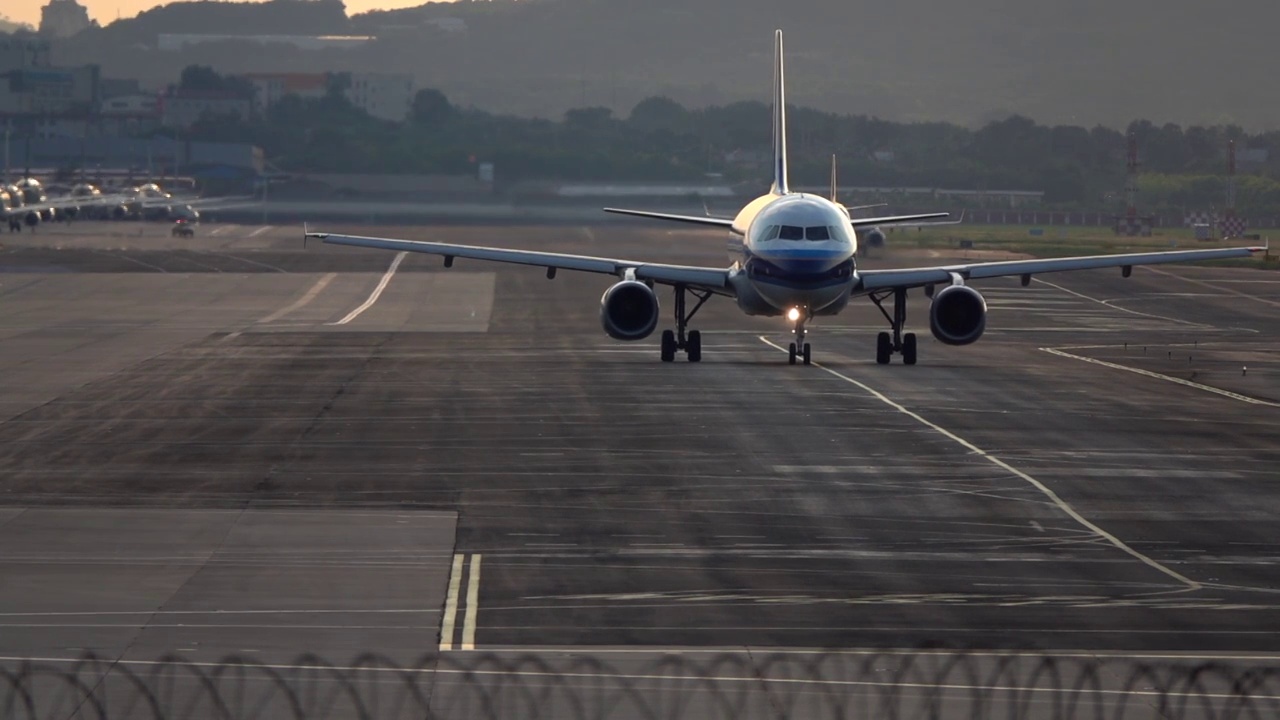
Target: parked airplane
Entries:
(25, 203)
(796, 258)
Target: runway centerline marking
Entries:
(1064, 506)
(302, 301)
(377, 291)
(451, 604)
(1166, 378)
(260, 230)
(473, 605)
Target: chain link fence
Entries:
(694, 686)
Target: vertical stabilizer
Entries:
(779, 120)
(834, 188)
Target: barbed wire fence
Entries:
(921, 685)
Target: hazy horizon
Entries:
(107, 11)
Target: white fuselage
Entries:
(793, 251)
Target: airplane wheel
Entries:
(791, 354)
(909, 349)
(694, 349)
(808, 354)
(668, 346)
(884, 348)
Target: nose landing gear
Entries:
(799, 349)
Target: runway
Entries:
(235, 444)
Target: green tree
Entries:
(430, 107)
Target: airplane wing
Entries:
(916, 277)
(896, 220)
(198, 202)
(694, 219)
(713, 279)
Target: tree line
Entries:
(1076, 167)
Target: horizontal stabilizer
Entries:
(693, 219)
(896, 220)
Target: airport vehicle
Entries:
(795, 256)
(182, 228)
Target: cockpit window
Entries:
(819, 232)
(791, 232)
(769, 233)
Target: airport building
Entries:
(31, 87)
(180, 41)
(149, 157)
(270, 88)
(387, 96)
(182, 108)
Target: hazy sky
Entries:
(105, 11)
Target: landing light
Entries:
(793, 314)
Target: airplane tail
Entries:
(835, 189)
(780, 186)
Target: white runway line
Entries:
(473, 605)
(310, 295)
(1107, 303)
(1062, 505)
(377, 291)
(1166, 378)
(451, 604)
(260, 230)
(1218, 288)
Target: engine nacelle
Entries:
(958, 315)
(629, 311)
(873, 238)
(31, 219)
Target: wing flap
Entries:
(915, 277)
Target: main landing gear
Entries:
(887, 344)
(690, 343)
(799, 349)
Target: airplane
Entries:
(874, 237)
(796, 258)
(25, 203)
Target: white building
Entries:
(179, 41)
(386, 96)
(269, 88)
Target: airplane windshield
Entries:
(791, 232)
(819, 232)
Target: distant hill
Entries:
(1087, 62)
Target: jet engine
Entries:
(32, 218)
(873, 238)
(958, 315)
(119, 212)
(629, 311)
